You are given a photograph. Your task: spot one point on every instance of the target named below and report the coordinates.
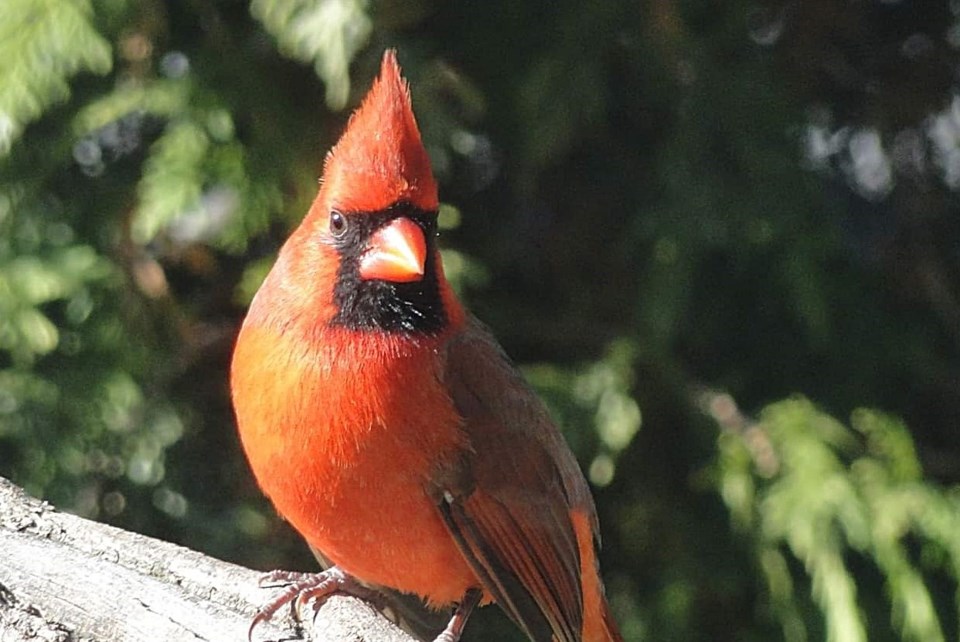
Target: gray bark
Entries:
(65, 579)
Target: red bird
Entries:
(387, 425)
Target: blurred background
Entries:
(721, 238)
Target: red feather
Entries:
(414, 460)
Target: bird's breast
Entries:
(345, 436)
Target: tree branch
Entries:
(66, 579)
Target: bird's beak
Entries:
(396, 252)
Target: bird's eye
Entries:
(338, 224)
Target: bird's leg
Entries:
(303, 587)
(460, 616)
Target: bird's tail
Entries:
(599, 625)
(610, 630)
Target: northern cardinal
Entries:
(387, 425)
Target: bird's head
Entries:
(366, 252)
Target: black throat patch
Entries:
(413, 308)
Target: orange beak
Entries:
(396, 252)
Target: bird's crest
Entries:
(380, 158)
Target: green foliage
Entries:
(198, 184)
(328, 33)
(29, 282)
(70, 402)
(43, 44)
(798, 481)
(597, 394)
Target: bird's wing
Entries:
(508, 500)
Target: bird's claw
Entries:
(460, 616)
(300, 588)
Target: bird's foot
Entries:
(460, 616)
(300, 588)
